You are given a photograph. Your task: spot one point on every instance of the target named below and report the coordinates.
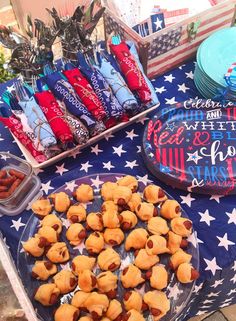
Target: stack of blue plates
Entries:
(214, 58)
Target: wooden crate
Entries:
(169, 47)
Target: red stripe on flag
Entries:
(176, 160)
(158, 155)
(170, 158)
(164, 156)
(182, 165)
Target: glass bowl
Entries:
(8, 162)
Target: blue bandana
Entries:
(101, 88)
(38, 122)
(118, 86)
(63, 91)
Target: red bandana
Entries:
(15, 126)
(85, 93)
(130, 69)
(54, 115)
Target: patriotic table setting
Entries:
(213, 216)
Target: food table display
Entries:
(213, 216)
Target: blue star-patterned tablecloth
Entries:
(214, 217)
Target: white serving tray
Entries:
(75, 150)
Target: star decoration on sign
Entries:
(71, 186)
(160, 90)
(232, 216)
(131, 164)
(96, 182)
(108, 165)
(46, 187)
(225, 242)
(61, 169)
(212, 266)
(216, 198)
(170, 101)
(85, 166)
(206, 217)
(17, 224)
(158, 23)
(96, 150)
(131, 134)
(183, 88)
(171, 126)
(194, 157)
(187, 199)
(119, 150)
(169, 78)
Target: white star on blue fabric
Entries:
(139, 149)
(169, 78)
(131, 164)
(96, 182)
(206, 217)
(183, 88)
(61, 169)
(85, 166)
(160, 90)
(216, 198)
(96, 150)
(233, 279)
(188, 199)
(217, 283)
(119, 150)
(189, 74)
(108, 165)
(212, 266)
(70, 186)
(232, 216)
(46, 187)
(17, 224)
(170, 101)
(131, 134)
(213, 294)
(225, 242)
(108, 136)
(144, 179)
